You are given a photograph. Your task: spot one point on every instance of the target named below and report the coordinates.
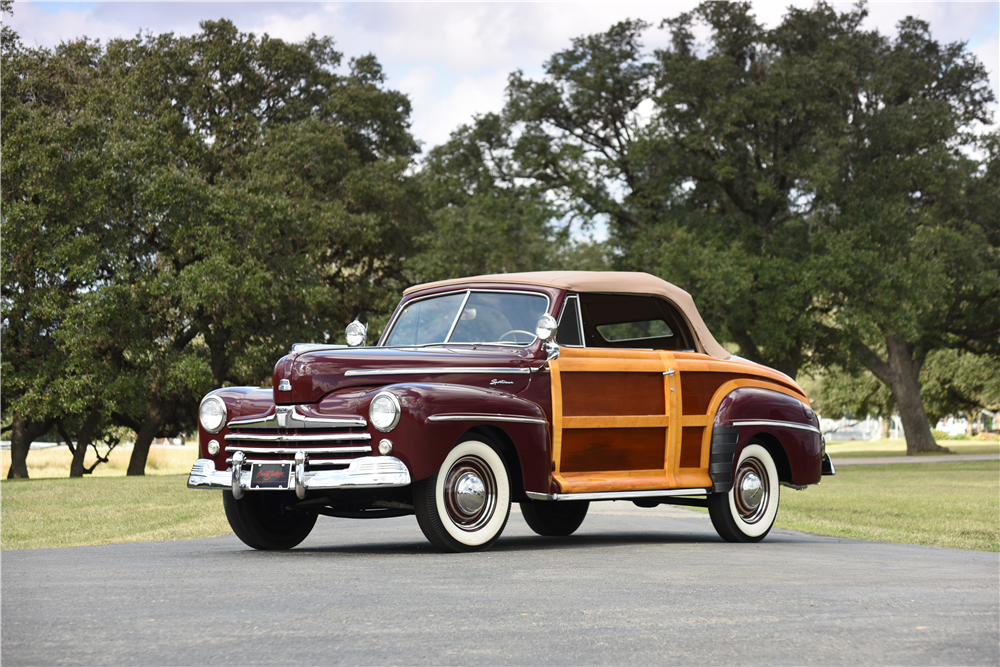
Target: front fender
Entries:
(435, 416)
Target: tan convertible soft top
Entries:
(604, 282)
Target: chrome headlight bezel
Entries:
(223, 417)
(384, 398)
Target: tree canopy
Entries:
(178, 210)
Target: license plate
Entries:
(270, 475)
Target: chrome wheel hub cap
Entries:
(470, 493)
(751, 491)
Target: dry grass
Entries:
(897, 447)
(55, 462)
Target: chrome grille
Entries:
(328, 442)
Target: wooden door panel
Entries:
(611, 419)
(612, 449)
(589, 393)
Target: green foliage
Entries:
(179, 210)
(956, 382)
(486, 217)
(842, 394)
(809, 184)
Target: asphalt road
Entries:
(631, 587)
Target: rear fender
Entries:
(787, 428)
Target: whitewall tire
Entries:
(465, 505)
(747, 512)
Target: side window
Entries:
(638, 322)
(569, 333)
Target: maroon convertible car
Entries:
(552, 390)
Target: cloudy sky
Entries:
(453, 58)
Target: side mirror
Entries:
(356, 334)
(546, 329)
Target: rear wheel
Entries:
(554, 519)
(262, 521)
(464, 506)
(746, 513)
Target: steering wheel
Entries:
(516, 331)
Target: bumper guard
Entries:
(364, 473)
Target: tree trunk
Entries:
(901, 373)
(970, 420)
(24, 432)
(83, 439)
(885, 423)
(144, 436)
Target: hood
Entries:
(311, 375)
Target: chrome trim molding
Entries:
(311, 347)
(266, 437)
(617, 495)
(289, 450)
(436, 370)
(777, 424)
(486, 418)
(293, 415)
(330, 422)
(256, 420)
(366, 472)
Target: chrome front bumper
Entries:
(363, 473)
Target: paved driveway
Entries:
(631, 587)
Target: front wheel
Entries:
(263, 522)
(554, 519)
(746, 513)
(464, 506)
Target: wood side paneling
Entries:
(698, 388)
(595, 394)
(597, 449)
(691, 439)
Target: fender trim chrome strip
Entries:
(777, 424)
(617, 495)
(438, 371)
(486, 418)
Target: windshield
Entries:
(469, 317)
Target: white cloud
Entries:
(453, 58)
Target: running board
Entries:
(618, 495)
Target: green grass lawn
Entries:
(940, 504)
(897, 447)
(42, 513)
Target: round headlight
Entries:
(212, 414)
(355, 334)
(384, 412)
